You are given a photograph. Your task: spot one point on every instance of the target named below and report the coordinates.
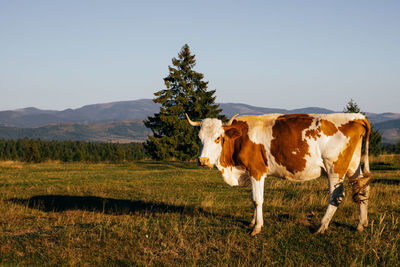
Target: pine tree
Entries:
(185, 92)
(352, 107)
(32, 152)
(375, 138)
(14, 154)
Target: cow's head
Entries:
(211, 136)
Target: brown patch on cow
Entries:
(354, 130)
(239, 150)
(287, 146)
(313, 133)
(228, 147)
(328, 128)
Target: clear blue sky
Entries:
(281, 54)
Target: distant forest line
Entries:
(36, 150)
(31, 150)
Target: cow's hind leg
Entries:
(363, 205)
(258, 199)
(336, 195)
(360, 186)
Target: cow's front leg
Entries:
(253, 221)
(258, 199)
(336, 196)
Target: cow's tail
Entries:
(360, 185)
(367, 127)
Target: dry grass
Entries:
(385, 158)
(171, 213)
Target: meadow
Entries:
(172, 213)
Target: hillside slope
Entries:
(97, 113)
(121, 131)
(390, 130)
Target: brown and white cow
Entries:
(298, 147)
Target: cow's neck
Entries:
(234, 175)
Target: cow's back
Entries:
(300, 146)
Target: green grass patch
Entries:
(172, 213)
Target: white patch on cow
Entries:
(314, 162)
(210, 130)
(260, 127)
(339, 118)
(234, 176)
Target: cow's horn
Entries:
(193, 123)
(231, 120)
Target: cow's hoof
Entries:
(256, 230)
(322, 229)
(360, 226)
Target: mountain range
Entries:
(123, 121)
(90, 114)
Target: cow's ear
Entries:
(233, 133)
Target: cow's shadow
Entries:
(111, 206)
(59, 203)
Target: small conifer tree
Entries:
(185, 92)
(352, 107)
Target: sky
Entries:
(276, 54)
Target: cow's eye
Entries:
(218, 139)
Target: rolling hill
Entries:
(123, 121)
(390, 130)
(97, 113)
(120, 131)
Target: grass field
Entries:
(170, 213)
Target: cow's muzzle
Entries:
(205, 162)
